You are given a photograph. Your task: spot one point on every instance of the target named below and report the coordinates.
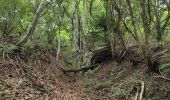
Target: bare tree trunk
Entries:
(135, 34)
(59, 21)
(153, 65)
(117, 25)
(33, 24)
(109, 26)
(59, 45)
(158, 21)
(76, 25)
(146, 28)
(85, 31)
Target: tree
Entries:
(32, 25)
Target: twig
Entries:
(3, 55)
(138, 90)
(160, 53)
(11, 60)
(142, 91)
(163, 77)
(3, 64)
(164, 57)
(136, 96)
(123, 54)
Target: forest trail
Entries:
(104, 71)
(68, 89)
(104, 82)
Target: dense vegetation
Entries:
(49, 40)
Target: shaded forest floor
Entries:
(36, 76)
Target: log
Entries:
(84, 69)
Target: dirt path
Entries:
(67, 89)
(104, 72)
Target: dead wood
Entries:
(163, 57)
(142, 91)
(160, 54)
(162, 77)
(91, 67)
(138, 95)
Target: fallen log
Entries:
(83, 69)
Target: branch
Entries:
(142, 91)
(160, 53)
(78, 70)
(136, 96)
(127, 28)
(91, 7)
(164, 57)
(163, 77)
(33, 24)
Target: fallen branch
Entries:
(78, 70)
(164, 57)
(142, 91)
(123, 55)
(136, 96)
(160, 53)
(138, 91)
(163, 77)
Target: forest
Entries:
(84, 49)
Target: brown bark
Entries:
(153, 65)
(135, 34)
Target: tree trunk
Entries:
(110, 26)
(76, 26)
(135, 34)
(33, 24)
(153, 65)
(59, 45)
(85, 31)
